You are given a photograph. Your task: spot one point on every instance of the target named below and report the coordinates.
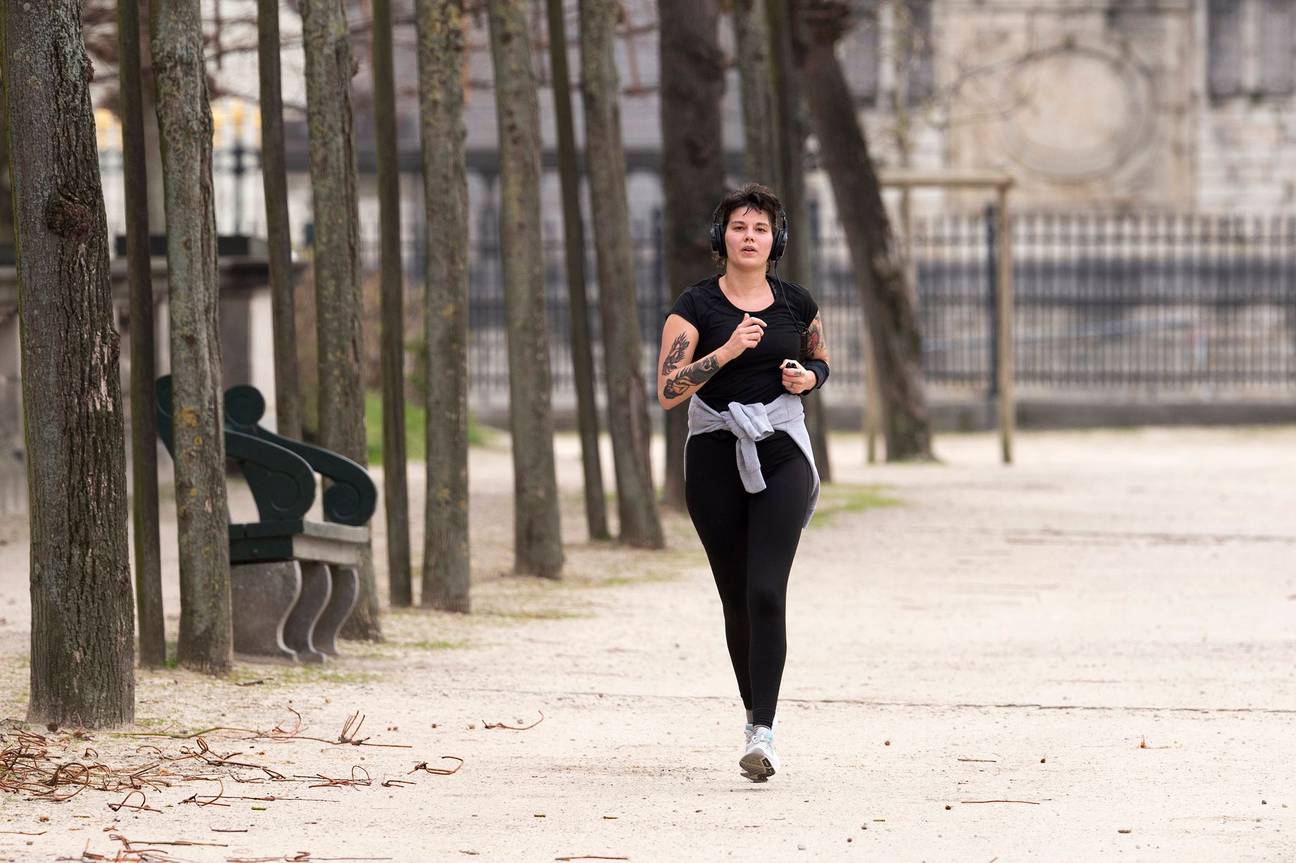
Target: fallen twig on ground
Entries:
(489, 725)
(439, 771)
(328, 782)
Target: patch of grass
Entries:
(535, 614)
(151, 721)
(837, 498)
(432, 645)
(415, 429)
(652, 577)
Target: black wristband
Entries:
(820, 368)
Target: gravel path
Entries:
(1100, 635)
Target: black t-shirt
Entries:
(756, 374)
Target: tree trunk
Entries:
(881, 275)
(790, 121)
(152, 137)
(337, 262)
(446, 571)
(574, 247)
(6, 188)
(82, 626)
(752, 35)
(537, 527)
(148, 560)
(185, 126)
(627, 394)
(274, 178)
(693, 171)
(395, 493)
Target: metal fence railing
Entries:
(1153, 302)
(1145, 302)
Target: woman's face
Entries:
(749, 236)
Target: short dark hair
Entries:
(750, 196)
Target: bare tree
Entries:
(693, 172)
(574, 257)
(337, 261)
(395, 492)
(752, 37)
(790, 125)
(446, 572)
(274, 179)
(185, 127)
(882, 277)
(537, 527)
(627, 400)
(82, 632)
(144, 500)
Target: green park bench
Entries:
(293, 581)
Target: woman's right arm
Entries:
(678, 376)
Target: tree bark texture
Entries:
(627, 394)
(752, 38)
(82, 627)
(537, 528)
(395, 491)
(574, 249)
(144, 501)
(693, 170)
(441, 45)
(6, 189)
(185, 126)
(791, 126)
(881, 275)
(274, 178)
(337, 261)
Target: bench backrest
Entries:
(280, 471)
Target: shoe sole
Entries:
(756, 767)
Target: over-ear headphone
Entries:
(780, 235)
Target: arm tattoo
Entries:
(817, 341)
(691, 376)
(676, 354)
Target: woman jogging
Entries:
(748, 345)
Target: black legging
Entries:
(750, 540)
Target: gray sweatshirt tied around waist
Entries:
(754, 422)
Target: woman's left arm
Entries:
(816, 367)
(818, 344)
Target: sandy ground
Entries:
(1101, 634)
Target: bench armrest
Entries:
(282, 482)
(350, 496)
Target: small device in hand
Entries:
(792, 364)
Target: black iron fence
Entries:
(1145, 302)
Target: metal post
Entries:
(992, 295)
(1007, 406)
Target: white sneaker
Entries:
(760, 761)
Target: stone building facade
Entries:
(1139, 104)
